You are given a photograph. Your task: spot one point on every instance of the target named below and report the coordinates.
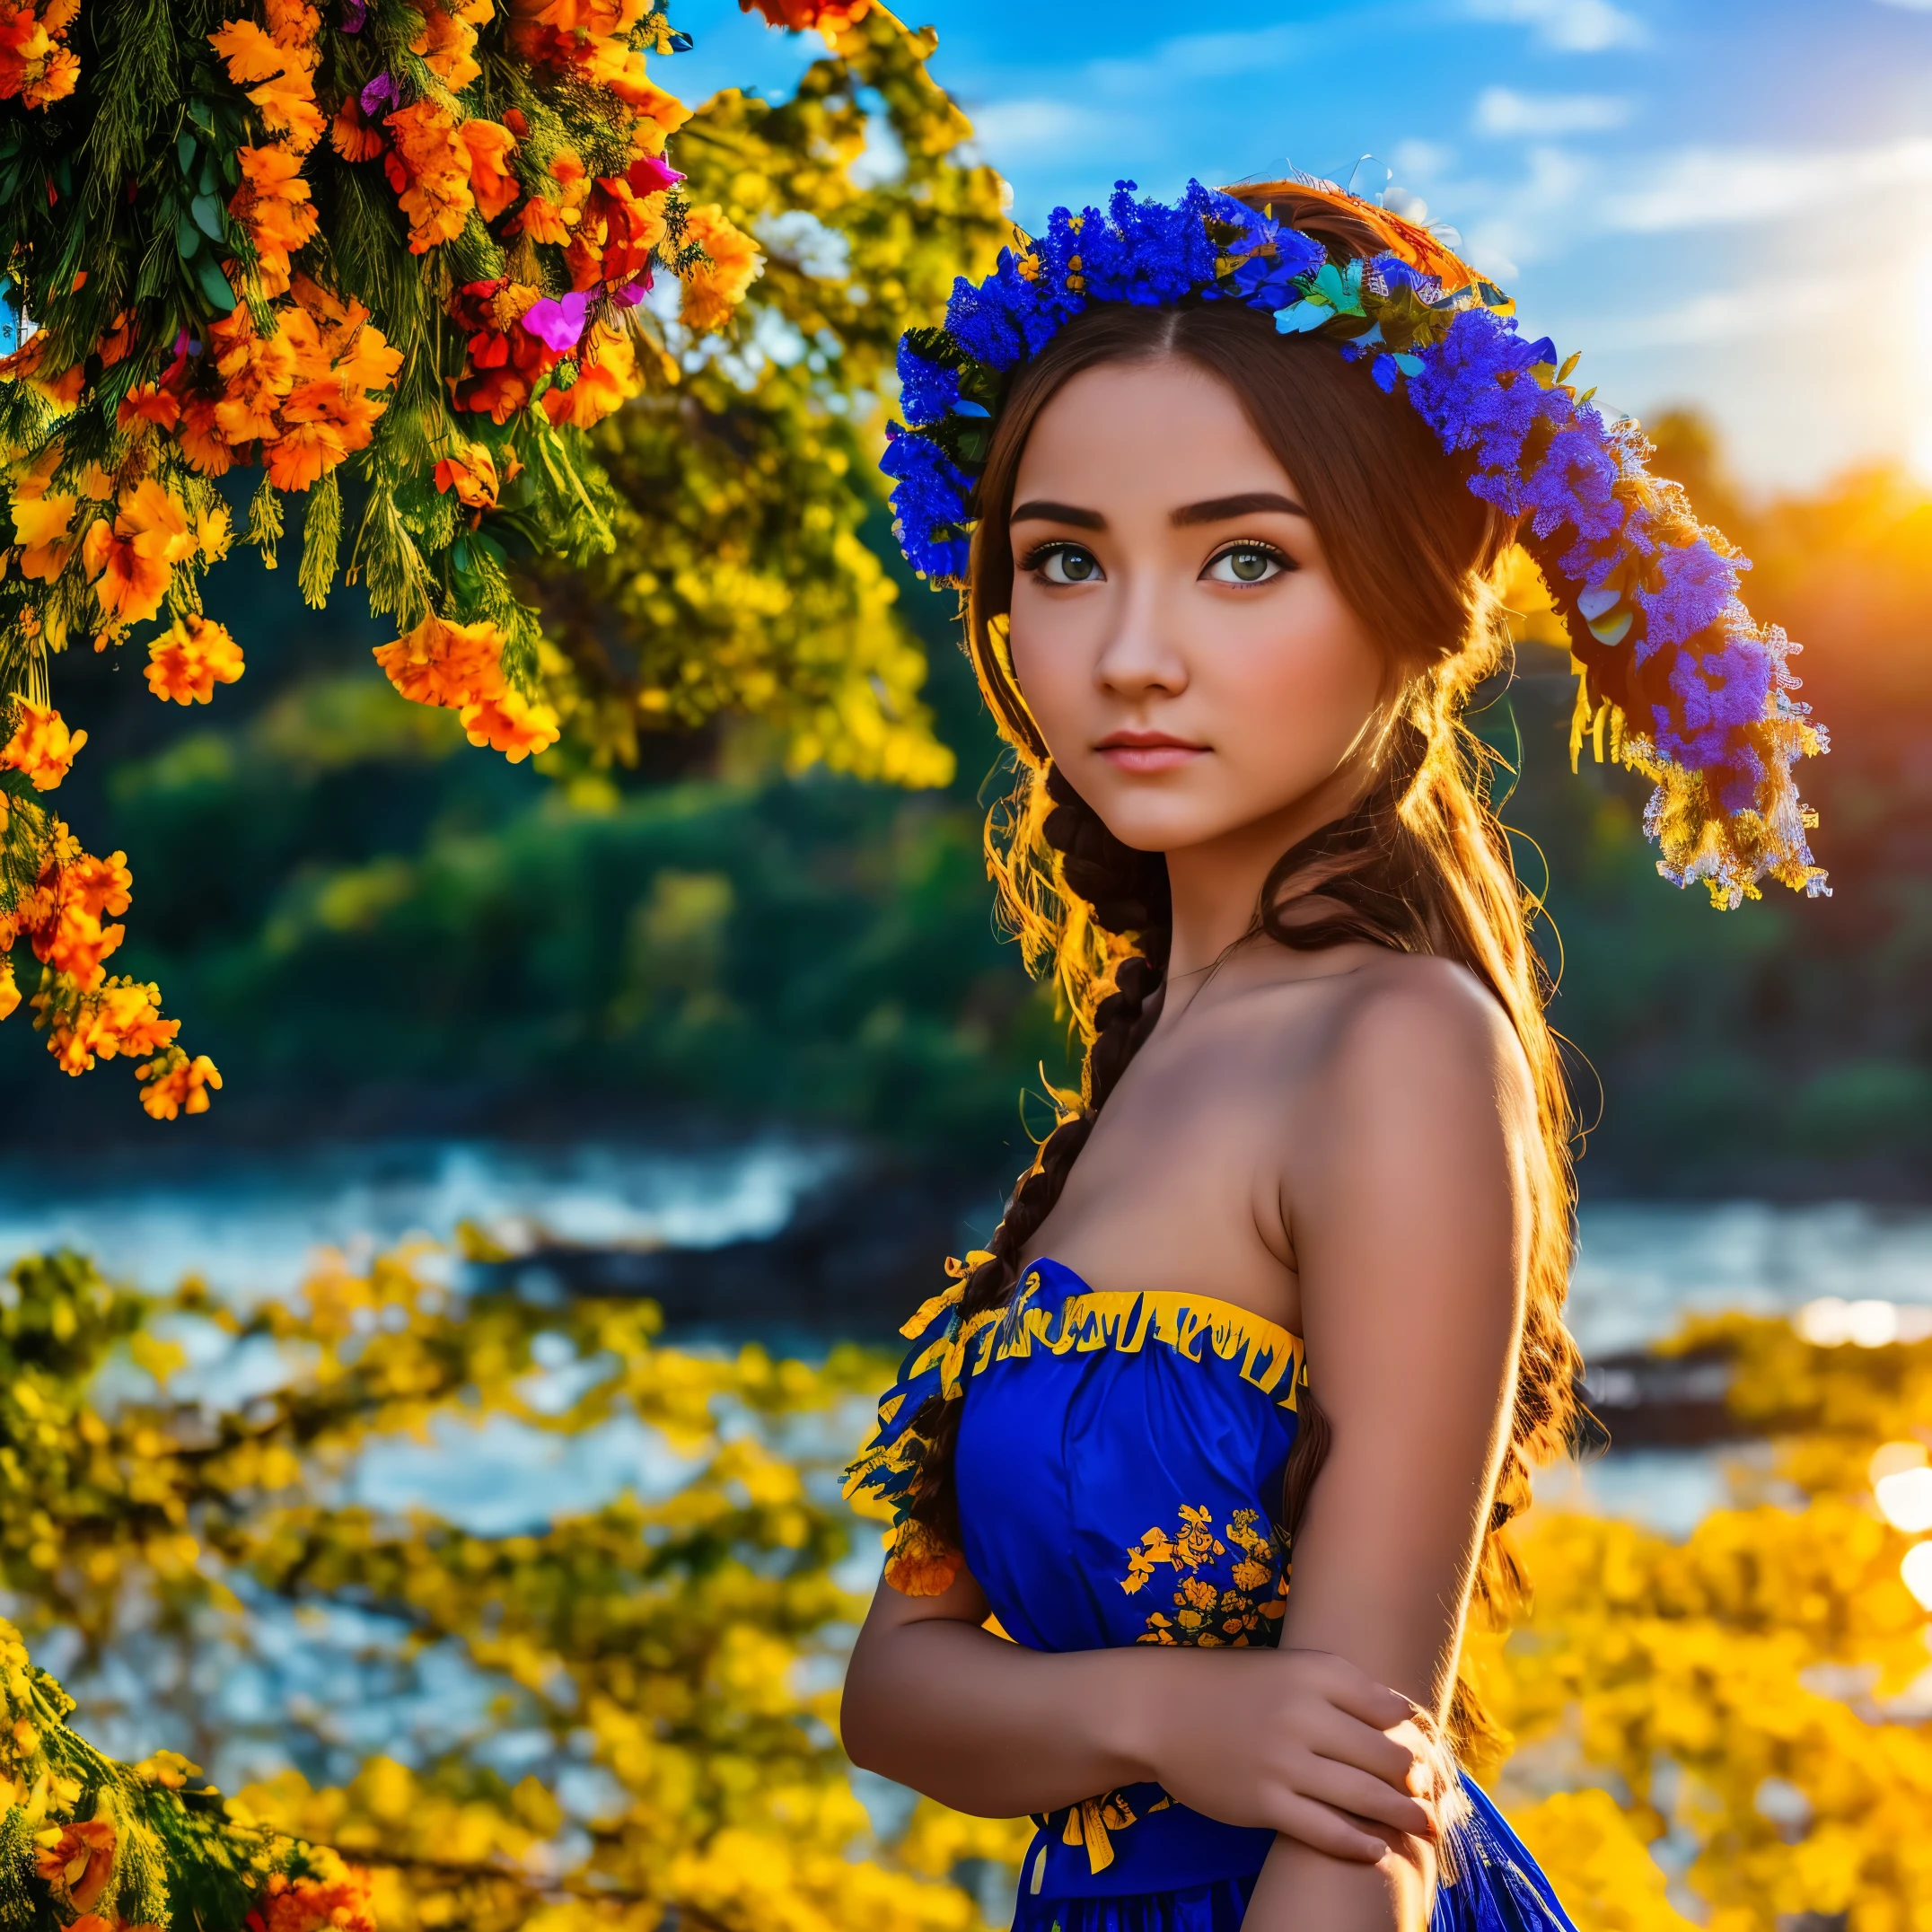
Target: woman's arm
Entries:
(1296, 1744)
(1407, 1217)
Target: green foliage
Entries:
(738, 582)
(767, 946)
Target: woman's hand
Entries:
(1299, 1740)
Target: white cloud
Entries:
(1216, 56)
(1010, 130)
(1705, 188)
(1516, 223)
(1574, 26)
(1422, 161)
(1765, 307)
(1910, 6)
(1502, 111)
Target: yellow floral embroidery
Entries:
(1247, 1609)
(1196, 1544)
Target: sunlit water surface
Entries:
(251, 1226)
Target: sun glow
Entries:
(1918, 377)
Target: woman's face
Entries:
(1178, 636)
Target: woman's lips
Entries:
(1147, 751)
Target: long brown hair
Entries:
(1420, 865)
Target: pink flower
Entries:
(558, 324)
(649, 173)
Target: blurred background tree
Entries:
(409, 938)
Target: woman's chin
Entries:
(1151, 824)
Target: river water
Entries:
(252, 1225)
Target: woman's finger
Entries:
(1349, 1741)
(1357, 1692)
(1327, 1830)
(1348, 1790)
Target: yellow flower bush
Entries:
(115, 1847)
(1734, 1690)
(685, 1645)
(1737, 1688)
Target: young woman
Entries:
(1228, 485)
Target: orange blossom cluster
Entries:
(36, 63)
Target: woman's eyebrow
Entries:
(1059, 513)
(1223, 509)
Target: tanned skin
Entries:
(1334, 1140)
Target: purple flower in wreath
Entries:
(932, 501)
(1725, 689)
(1575, 483)
(1147, 253)
(1738, 792)
(1697, 584)
(1590, 560)
(1273, 281)
(928, 389)
(1475, 395)
(1003, 319)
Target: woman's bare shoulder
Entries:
(1404, 1152)
(1431, 1016)
(1412, 1061)
(1352, 1010)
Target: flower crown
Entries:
(1692, 693)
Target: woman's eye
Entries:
(1067, 563)
(1246, 563)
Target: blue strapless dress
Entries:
(1120, 1472)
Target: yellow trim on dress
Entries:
(1122, 1321)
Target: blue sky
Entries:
(1723, 202)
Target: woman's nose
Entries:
(1140, 654)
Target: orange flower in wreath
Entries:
(330, 1903)
(470, 471)
(607, 378)
(490, 145)
(830, 16)
(43, 523)
(285, 97)
(147, 405)
(714, 288)
(429, 169)
(508, 722)
(274, 206)
(116, 1017)
(350, 134)
(34, 63)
